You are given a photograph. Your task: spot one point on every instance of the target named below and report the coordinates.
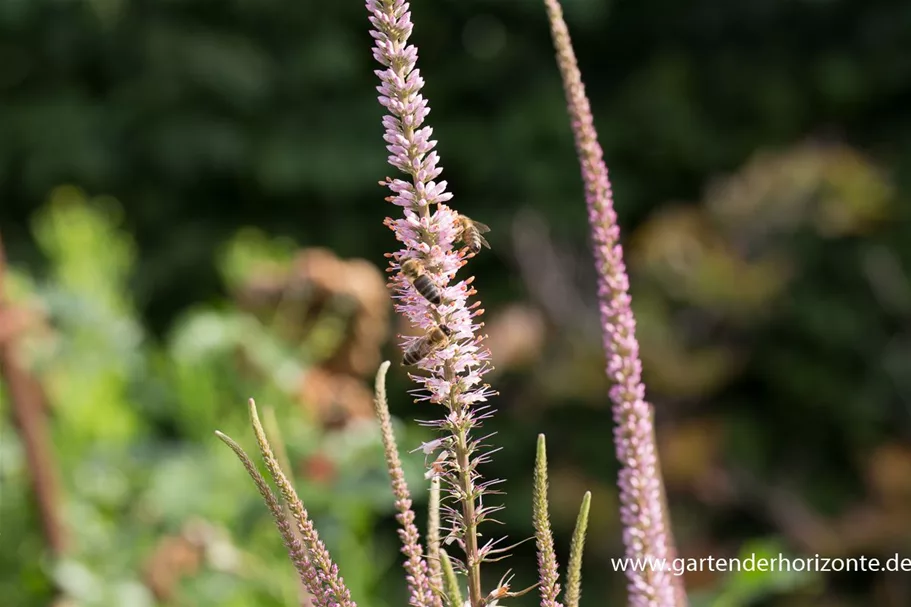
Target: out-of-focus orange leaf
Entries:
(689, 451)
(888, 474)
(516, 336)
(319, 468)
(335, 399)
(174, 558)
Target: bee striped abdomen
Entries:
(412, 357)
(416, 274)
(437, 338)
(471, 234)
(475, 241)
(427, 289)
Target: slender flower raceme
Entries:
(547, 558)
(334, 591)
(643, 515)
(448, 350)
(299, 557)
(416, 567)
(318, 573)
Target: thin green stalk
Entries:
(472, 557)
(574, 571)
(433, 534)
(453, 592)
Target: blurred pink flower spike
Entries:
(643, 513)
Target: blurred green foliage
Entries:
(745, 587)
(132, 425)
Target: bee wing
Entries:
(484, 241)
(483, 228)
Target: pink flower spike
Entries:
(642, 508)
(446, 350)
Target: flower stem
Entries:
(472, 558)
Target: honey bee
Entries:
(471, 234)
(436, 338)
(416, 274)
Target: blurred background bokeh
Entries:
(191, 217)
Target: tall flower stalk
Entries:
(643, 514)
(452, 360)
(428, 232)
(318, 572)
(417, 571)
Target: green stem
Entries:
(472, 559)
